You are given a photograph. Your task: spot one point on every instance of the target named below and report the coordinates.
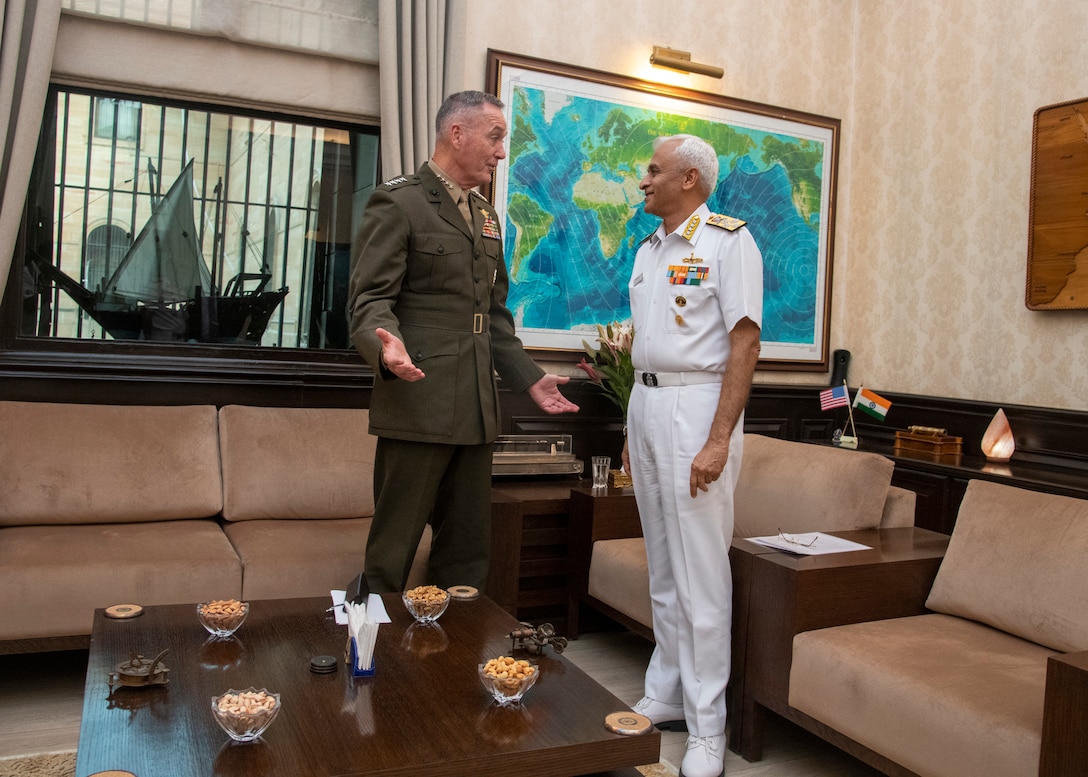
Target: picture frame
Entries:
(571, 210)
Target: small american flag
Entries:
(834, 397)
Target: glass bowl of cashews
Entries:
(508, 679)
(426, 603)
(222, 617)
(245, 715)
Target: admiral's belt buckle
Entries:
(649, 378)
(477, 323)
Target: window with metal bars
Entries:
(187, 224)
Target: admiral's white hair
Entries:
(695, 152)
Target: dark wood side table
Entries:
(788, 594)
(529, 548)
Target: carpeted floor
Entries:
(47, 765)
(64, 765)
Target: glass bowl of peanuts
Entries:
(223, 616)
(508, 679)
(426, 603)
(245, 715)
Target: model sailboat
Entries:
(163, 289)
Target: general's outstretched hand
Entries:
(395, 357)
(545, 392)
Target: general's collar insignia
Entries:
(394, 181)
(726, 222)
(442, 178)
(689, 230)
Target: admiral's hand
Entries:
(396, 359)
(707, 467)
(545, 392)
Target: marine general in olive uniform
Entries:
(427, 306)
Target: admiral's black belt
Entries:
(676, 378)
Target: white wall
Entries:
(936, 99)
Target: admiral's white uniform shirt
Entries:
(687, 294)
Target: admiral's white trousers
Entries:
(687, 547)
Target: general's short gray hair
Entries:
(456, 105)
(695, 152)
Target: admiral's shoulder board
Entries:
(725, 222)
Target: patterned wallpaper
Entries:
(936, 99)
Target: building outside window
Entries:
(116, 119)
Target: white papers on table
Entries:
(375, 608)
(363, 629)
(813, 543)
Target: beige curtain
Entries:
(28, 34)
(416, 41)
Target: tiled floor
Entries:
(617, 661)
(41, 700)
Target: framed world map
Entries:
(578, 145)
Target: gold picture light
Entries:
(681, 60)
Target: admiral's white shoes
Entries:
(705, 757)
(669, 717)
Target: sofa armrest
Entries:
(788, 594)
(899, 508)
(1065, 709)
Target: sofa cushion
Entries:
(1016, 561)
(288, 559)
(52, 578)
(939, 695)
(619, 577)
(799, 487)
(65, 463)
(296, 463)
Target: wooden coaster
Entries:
(464, 592)
(628, 723)
(121, 612)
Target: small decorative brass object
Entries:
(535, 638)
(138, 672)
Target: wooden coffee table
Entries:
(424, 712)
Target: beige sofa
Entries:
(783, 485)
(101, 505)
(993, 680)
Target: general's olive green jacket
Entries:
(419, 272)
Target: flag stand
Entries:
(851, 440)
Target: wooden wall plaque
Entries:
(1058, 218)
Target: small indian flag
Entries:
(872, 403)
